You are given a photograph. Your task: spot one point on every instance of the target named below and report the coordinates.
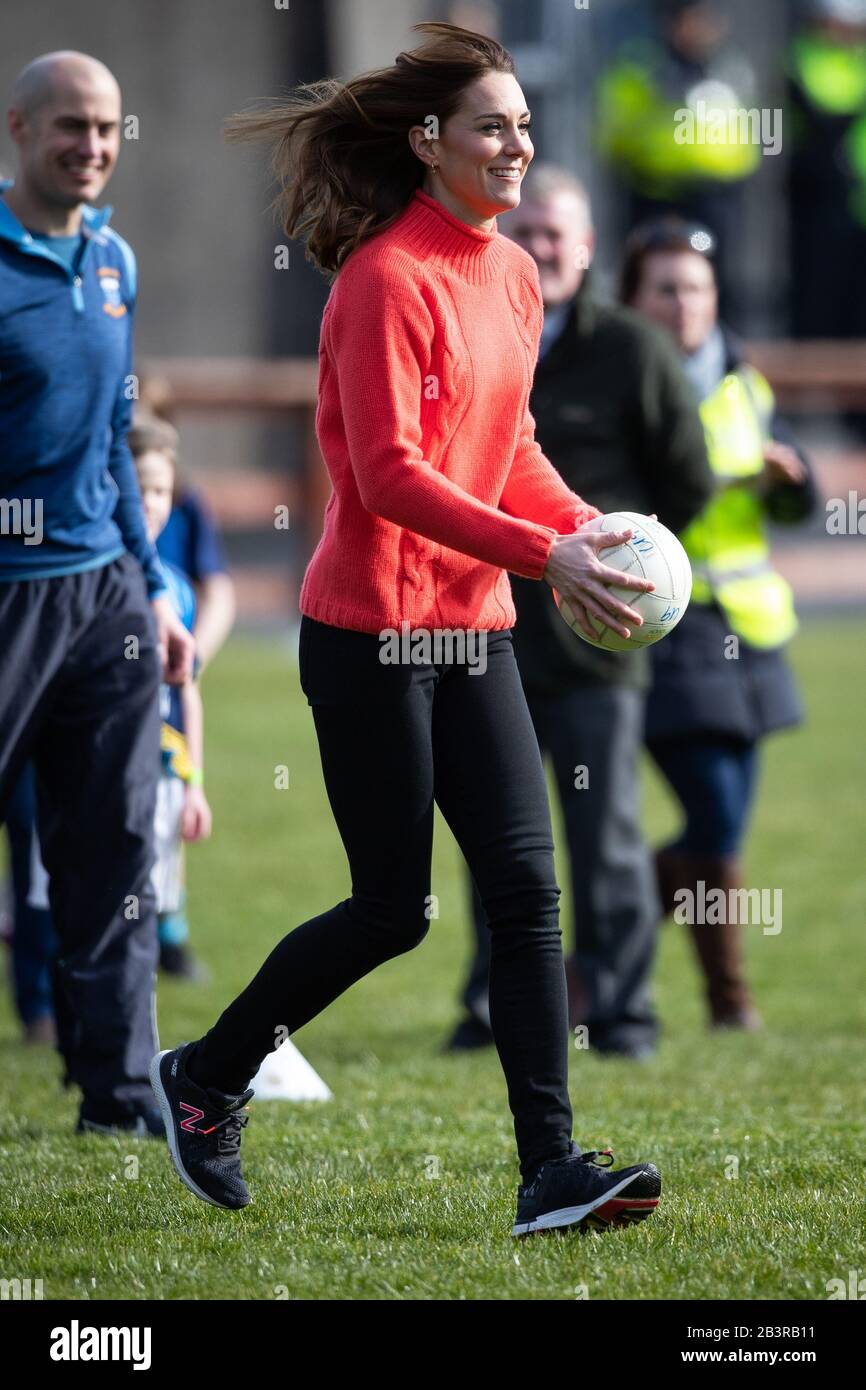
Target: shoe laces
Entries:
(593, 1155)
(229, 1137)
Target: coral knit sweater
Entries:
(428, 345)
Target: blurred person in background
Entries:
(30, 935)
(720, 679)
(615, 413)
(190, 542)
(191, 545)
(638, 96)
(182, 810)
(826, 140)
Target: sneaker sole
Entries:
(606, 1211)
(171, 1135)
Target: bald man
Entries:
(85, 621)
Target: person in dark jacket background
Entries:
(614, 413)
(826, 116)
(682, 74)
(720, 679)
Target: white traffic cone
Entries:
(287, 1075)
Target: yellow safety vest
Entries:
(833, 76)
(727, 542)
(635, 125)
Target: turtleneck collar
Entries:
(435, 234)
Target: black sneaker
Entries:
(572, 1191)
(469, 1034)
(203, 1128)
(180, 962)
(140, 1121)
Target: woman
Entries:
(428, 342)
(721, 682)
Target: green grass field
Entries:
(344, 1206)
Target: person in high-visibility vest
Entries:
(720, 679)
(666, 122)
(825, 130)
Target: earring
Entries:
(434, 167)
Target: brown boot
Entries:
(718, 945)
(671, 874)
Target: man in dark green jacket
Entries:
(615, 415)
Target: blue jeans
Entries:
(88, 720)
(713, 776)
(33, 943)
(394, 741)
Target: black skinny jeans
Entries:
(393, 739)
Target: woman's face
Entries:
(678, 291)
(483, 151)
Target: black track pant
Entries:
(79, 680)
(393, 740)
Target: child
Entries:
(182, 810)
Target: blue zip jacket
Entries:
(69, 496)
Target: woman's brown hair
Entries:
(340, 150)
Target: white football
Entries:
(652, 553)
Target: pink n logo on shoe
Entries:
(189, 1124)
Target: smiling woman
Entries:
(428, 343)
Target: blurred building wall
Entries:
(195, 209)
(364, 34)
(185, 200)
